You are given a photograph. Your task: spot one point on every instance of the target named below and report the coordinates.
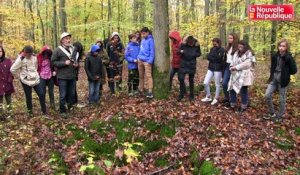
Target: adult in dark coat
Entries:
(63, 59)
(190, 50)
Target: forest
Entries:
(40, 22)
(133, 135)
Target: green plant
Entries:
(78, 134)
(91, 168)
(3, 156)
(284, 144)
(297, 130)
(154, 145)
(169, 129)
(285, 141)
(99, 126)
(130, 153)
(57, 163)
(152, 126)
(208, 168)
(162, 161)
(104, 149)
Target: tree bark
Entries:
(206, 8)
(54, 23)
(109, 16)
(135, 12)
(41, 23)
(178, 14)
(162, 58)
(102, 18)
(32, 34)
(206, 33)
(62, 16)
(222, 20)
(247, 27)
(274, 30)
(119, 15)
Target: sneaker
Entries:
(241, 110)
(277, 119)
(227, 105)
(225, 100)
(64, 115)
(135, 93)
(206, 99)
(130, 94)
(269, 116)
(2, 118)
(191, 98)
(149, 95)
(215, 101)
(180, 97)
(141, 93)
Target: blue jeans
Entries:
(244, 94)
(226, 79)
(94, 88)
(66, 93)
(272, 87)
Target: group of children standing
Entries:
(233, 65)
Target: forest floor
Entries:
(156, 137)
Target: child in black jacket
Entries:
(283, 66)
(93, 68)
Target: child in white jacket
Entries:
(242, 70)
(29, 76)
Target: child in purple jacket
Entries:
(6, 82)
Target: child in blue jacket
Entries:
(131, 54)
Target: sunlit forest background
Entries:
(39, 22)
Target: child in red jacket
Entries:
(176, 56)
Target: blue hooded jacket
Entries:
(131, 54)
(147, 52)
(95, 48)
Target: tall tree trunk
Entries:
(274, 30)
(1, 24)
(162, 58)
(222, 20)
(135, 10)
(119, 15)
(32, 34)
(247, 27)
(264, 41)
(109, 17)
(41, 22)
(178, 14)
(102, 18)
(185, 11)
(85, 20)
(62, 16)
(47, 19)
(142, 11)
(193, 10)
(206, 33)
(206, 8)
(54, 21)
(85, 23)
